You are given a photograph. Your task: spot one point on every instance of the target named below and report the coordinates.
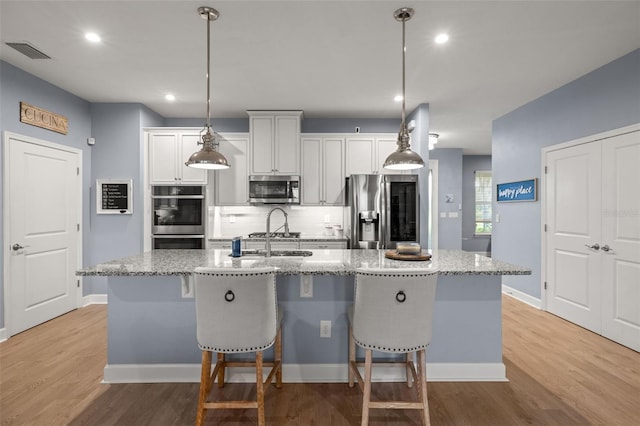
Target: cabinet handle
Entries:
(606, 248)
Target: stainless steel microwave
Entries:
(270, 189)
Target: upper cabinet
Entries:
(366, 154)
(231, 184)
(168, 151)
(275, 142)
(323, 177)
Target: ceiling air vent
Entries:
(29, 51)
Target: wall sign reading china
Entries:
(114, 196)
(39, 117)
(524, 190)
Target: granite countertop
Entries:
(305, 238)
(322, 262)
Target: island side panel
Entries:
(149, 322)
(467, 322)
(302, 344)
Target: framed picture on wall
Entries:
(114, 196)
(523, 190)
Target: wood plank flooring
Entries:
(560, 374)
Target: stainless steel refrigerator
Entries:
(383, 210)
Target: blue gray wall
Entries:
(605, 99)
(118, 154)
(471, 163)
(449, 182)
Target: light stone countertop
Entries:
(322, 262)
(302, 238)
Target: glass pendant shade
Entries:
(403, 158)
(208, 157)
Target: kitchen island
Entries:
(152, 325)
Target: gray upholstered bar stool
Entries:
(237, 312)
(392, 312)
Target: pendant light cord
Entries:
(208, 72)
(404, 50)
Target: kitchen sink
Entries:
(278, 253)
(274, 235)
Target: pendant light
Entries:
(208, 157)
(403, 158)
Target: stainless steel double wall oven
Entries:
(179, 217)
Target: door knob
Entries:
(17, 247)
(596, 246)
(606, 248)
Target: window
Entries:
(484, 198)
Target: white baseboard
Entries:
(302, 373)
(94, 299)
(3, 334)
(521, 296)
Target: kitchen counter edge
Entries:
(322, 262)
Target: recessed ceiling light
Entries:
(93, 37)
(398, 98)
(170, 97)
(442, 38)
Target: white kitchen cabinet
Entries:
(323, 245)
(385, 147)
(275, 142)
(323, 171)
(275, 245)
(361, 155)
(168, 151)
(230, 185)
(366, 154)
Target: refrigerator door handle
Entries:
(383, 223)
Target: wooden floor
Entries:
(560, 374)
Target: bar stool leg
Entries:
(223, 366)
(260, 388)
(422, 388)
(409, 360)
(278, 357)
(205, 378)
(352, 356)
(366, 397)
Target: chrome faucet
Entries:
(286, 228)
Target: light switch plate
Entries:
(306, 285)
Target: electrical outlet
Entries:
(306, 285)
(325, 328)
(327, 218)
(232, 218)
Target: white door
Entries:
(573, 191)
(43, 193)
(621, 239)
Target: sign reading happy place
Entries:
(524, 190)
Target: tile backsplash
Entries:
(231, 221)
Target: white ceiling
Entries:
(330, 59)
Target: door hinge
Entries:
(545, 227)
(545, 285)
(78, 171)
(545, 170)
(78, 227)
(78, 281)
